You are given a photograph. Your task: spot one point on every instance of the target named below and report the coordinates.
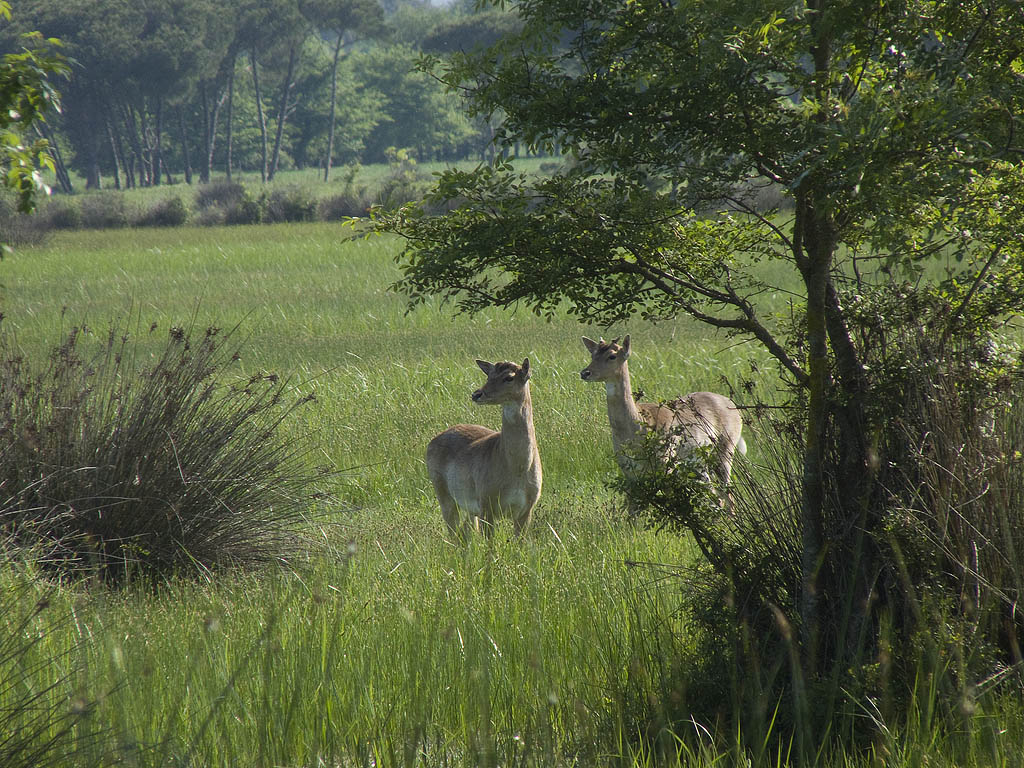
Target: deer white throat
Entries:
(517, 434)
(623, 416)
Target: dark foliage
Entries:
(176, 467)
(171, 212)
(224, 194)
(104, 210)
(62, 213)
(17, 228)
(246, 211)
(344, 206)
(289, 204)
(942, 561)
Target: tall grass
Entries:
(386, 643)
(119, 471)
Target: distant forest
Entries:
(170, 90)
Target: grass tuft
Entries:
(121, 473)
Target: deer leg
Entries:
(449, 509)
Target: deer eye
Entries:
(611, 357)
(510, 377)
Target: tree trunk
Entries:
(60, 169)
(93, 177)
(118, 149)
(282, 111)
(814, 268)
(231, 111)
(158, 132)
(114, 151)
(135, 142)
(185, 154)
(145, 150)
(334, 102)
(210, 119)
(260, 117)
(206, 167)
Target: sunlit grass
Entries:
(387, 643)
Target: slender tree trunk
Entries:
(138, 151)
(260, 117)
(158, 132)
(815, 279)
(60, 169)
(334, 104)
(145, 150)
(114, 151)
(185, 154)
(118, 149)
(93, 177)
(282, 112)
(206, 167)
(231, 111)
(211, 115)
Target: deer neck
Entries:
(518, 439)
(623, 416)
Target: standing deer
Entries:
(488, 474)
(698, 419)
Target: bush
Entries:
(928, 594)
(18, 228)
(289, 204)
(119, 473)
(245, 211)
(62, 213)
(344, 206)
(222, 194)
(104, 210)
(165, 213)
(213, 216)
(403, 183)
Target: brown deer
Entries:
(482, 474)
(696, 420)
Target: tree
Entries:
(890, 132)
(416, 113)
(347, 21)
(27, 96)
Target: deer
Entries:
(700, 419)
(482, 474)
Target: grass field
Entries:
(387, 643)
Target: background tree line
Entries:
(175, 89)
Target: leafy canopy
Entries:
(848, 139)
(26, 96)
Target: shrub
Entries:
(213, 216)
(344, 206)
(927, 595)
(170, 212)
(18, 228)
(288, 204)
(62, 213)
(223, 194)
(123, 473)
(403, 183)
(104, 210)
(245, 211)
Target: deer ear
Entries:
(590, 344)
(526, 368)
(625, 346)
(485, 366)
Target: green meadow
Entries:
(386, 642)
